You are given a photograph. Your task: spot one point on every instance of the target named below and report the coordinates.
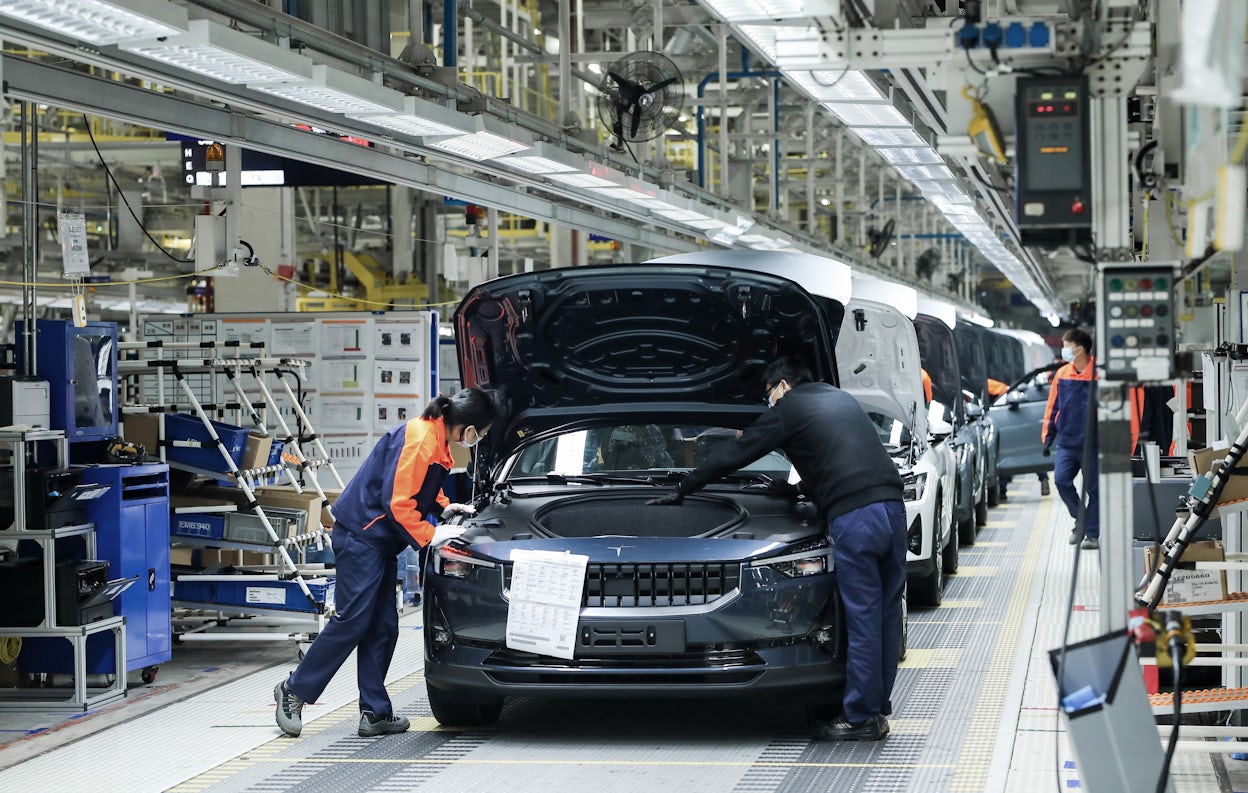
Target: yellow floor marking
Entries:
(588, 762)
(981, 544)
(955, 622)
(979, 740)
(931, 658)
(952, 603)
(999, 525)
(976, 571)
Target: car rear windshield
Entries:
(636, 447)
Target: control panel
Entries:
(1137, 322)
(1052, 163)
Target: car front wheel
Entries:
(460, 713)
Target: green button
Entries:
(1160, 283)
(1115, 284)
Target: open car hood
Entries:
(877, 356)
(647, 337)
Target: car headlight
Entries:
(914, 485)
(458, 561)
(807, 559)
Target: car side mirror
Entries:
(974, 411)
(1014, 399)
(939, 429)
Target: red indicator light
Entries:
(1077, 207)
(1066, 108)
(1146, 284)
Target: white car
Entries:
(877, 356)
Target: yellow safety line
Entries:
(981, 733)
(983, 571)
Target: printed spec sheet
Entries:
(545, 597)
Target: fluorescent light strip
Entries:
(97, 21)
(631, 196)
(336, 92)
(681, 215)
(479, 145)
(535, 164)
(837, 86)
(867, 115)
(918, 155)
(740, 10)
(766, 38)
(879, 137)
(580, 180)
(918, 173)
(227, 55)
(419, 119)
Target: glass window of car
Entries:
(633, 448)
(894, 434)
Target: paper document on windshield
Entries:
(545, 601)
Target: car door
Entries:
(1019, 416)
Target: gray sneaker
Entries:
(289, 710)
(1074, 537)
(1090, 544)
(372, 726)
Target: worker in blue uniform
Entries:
(847, 472)
(384, 509)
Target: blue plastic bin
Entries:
(189, 428)
(206, 525)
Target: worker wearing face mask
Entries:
(383, 510)
(847, 472)
(1065, 426)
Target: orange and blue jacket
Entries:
(1066, 414)
(927, 386)
(389, 500)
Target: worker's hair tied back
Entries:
(437, 407)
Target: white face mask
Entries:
(1068, 355)
(462, 438)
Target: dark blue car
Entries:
(618, 380)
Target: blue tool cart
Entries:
(80, 365)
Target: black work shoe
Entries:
(289, 710)
(1075, 537)
(872, 729)
(372, 726)
(1044, 487)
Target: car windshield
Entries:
(632, 448)
(894, 434)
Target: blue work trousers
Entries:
(869, 547)
(367, 621)
(1068, 463)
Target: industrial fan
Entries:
(927, 263)
(640, 96)
(880, 238)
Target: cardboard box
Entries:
(1236, 488)
(285, 498)
(1188, 585)
(143, 429)
(256, 454)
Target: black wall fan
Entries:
(640, 96)
(880, 238)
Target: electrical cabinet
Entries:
(80, 365)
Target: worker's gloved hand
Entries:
(1048, 449)
(458, 509)
(444, 532)
(670, 500)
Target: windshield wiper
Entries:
(582, 479)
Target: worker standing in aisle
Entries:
(848, 474)
(384, 509)
(1065, 425)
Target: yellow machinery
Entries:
(379, 288)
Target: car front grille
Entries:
(654, 584)
(705, 667)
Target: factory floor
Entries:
(974, 710)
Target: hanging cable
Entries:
(124, 200)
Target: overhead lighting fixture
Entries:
(861, 114)
(545, 158)
(631, 196)
(879, 137)
(99, 21)
(742, 10)
(916, 173)
(480, 145)
(837, 86)
(336, 92)
(917, 155)
(223, 54)
(419, 119)
(766, 38)
(580, 180)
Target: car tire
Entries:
(929, 590)
(461, 713)
(994, 493)
(949, 556)
(981, 513)
(966, 528)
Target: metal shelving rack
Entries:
(84, 697)
(168, 362)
